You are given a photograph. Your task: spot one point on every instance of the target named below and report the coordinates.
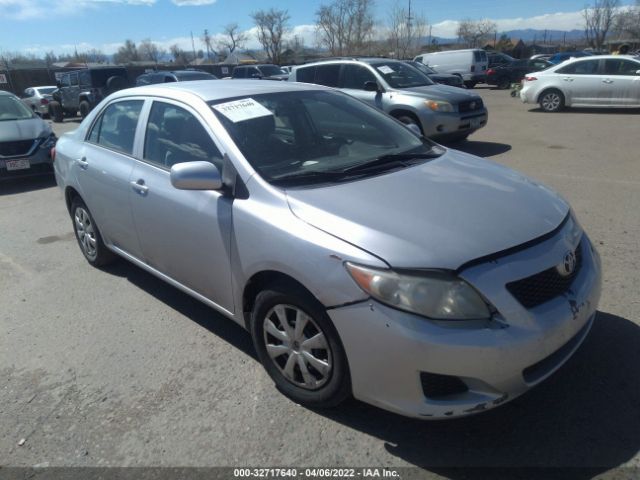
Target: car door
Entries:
(582, 82)
(353, 80)
(621, 82)
(103, 168)
(184, 234)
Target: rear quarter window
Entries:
(306, 74)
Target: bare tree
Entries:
(181, 56)
(345, 26)
(150, 51)
(628, 22)
(208, 43)
(127, 53)
(272, 25)
(475, 33)
(599, 20)
(94, 55)
(233, 38)
(405, 31)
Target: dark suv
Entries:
(82, 90)
(174, 76)
(264, 72)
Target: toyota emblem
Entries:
(568, 265)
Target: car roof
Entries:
(7, 94)
(213, 91)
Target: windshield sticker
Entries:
(240, 110)
(386, 69)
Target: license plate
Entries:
(475, 122)
(21, 164)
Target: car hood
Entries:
(440, 214)
(453, 95)
(14, 130)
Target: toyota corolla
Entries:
(364, 259)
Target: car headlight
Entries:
(437, 295)
(439, 106)
(49, 141)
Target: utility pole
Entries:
(409, 18)
(193, 46)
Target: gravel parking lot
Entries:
(116, 368)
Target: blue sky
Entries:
(60, 25)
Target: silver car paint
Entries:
(273, 231)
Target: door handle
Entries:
(607, 81)
(568, 79)
(82, 163)
(140, 187)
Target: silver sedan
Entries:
(364, 259)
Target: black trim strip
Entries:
(512, 250)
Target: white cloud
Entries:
(192, 3)
(30, 9)
(549, 21)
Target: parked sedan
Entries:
(602, 81)
(25, 139)
(441, 78)
(364, 259)
(38, 98)
(502, 76)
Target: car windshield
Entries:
(269, 70)
(298, 138)
(46, 90)
(401, 75)
(11, 108)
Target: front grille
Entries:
(470, 105)
(15, 149)
(435, 385)
(542, 287)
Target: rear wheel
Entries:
(88, 235)
(470, 84)
(503, 83)
(552, 101)
(55, 112)
(299, 347)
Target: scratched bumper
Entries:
(498, 360)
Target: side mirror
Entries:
(195, 176)
(256, 75)
(371, 86)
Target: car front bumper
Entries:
(39, 162)
(441, 126)
(497, 360)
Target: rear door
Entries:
(184, 234)
(621, 82)
(103, 169)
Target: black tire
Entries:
(335, 386)
(503, 83)
(85, 108)
(551, 100)
(55, 112)
(81, 218)
(470, 84)
(409, 120)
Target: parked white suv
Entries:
(602, 81)
(470, 64)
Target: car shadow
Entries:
(593, 111)
(481, 149)
(186, 305)
(12, 186)
(581, 421)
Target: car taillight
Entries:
(491, 71)
(530, 79)
(44, 101)
(52, 153)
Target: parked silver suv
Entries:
(440, 111)
(364, 259)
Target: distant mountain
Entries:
(528, 35)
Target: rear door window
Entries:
(306, 75)
(585, 67)
(115, 129)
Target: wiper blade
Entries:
(391, 159)
(306, 177)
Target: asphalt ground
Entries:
(115, 368)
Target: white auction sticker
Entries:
(240, 110)
(386, 69)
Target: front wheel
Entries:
(88, 235)
(55, 112)
(470, 84)
(85, 108)
(552, 101)
(299, 347)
